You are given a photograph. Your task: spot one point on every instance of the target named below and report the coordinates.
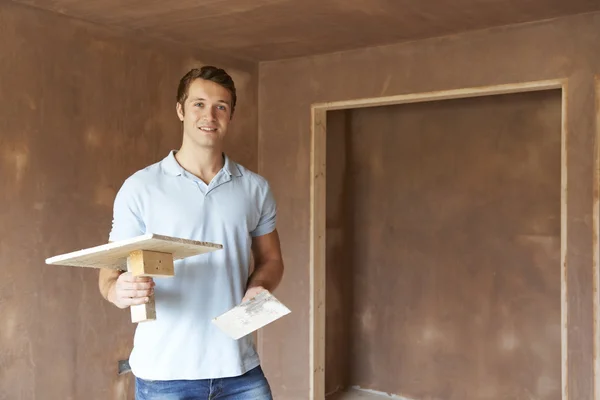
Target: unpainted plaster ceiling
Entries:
(261, 30)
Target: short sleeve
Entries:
(268, 217)
(127, 218)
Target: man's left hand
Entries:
(251, 292)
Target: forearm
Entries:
(106, 282)
(267, 275)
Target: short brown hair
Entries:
(209, 73)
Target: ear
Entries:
(180, 112)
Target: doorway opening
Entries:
(437, 244)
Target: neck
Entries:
(205, 163)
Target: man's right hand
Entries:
(129, 290)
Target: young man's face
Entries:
(205, 113)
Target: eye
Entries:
(222, 108)
(198, 104)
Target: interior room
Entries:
(435, 166)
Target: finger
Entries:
(127, 301)
(136, 293)
(139, 300)
(247, 297)
(128, 277)
(135, 285)
(144, 279)
(143, 285)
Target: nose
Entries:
(209, 113)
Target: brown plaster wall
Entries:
(563, 48)
(443, 240)
(81, 108)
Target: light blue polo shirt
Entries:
(163, 198)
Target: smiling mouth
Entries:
(206, 129)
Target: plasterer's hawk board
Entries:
(114, 255)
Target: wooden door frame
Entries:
(596, 243)
(318, 217)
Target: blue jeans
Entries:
(252, 385)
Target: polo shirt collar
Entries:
(172, 167)
(231, 167)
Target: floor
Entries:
(355, 394)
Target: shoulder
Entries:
(134, 184)
(251, 178)
(146, 175)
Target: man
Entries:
(199, 193)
